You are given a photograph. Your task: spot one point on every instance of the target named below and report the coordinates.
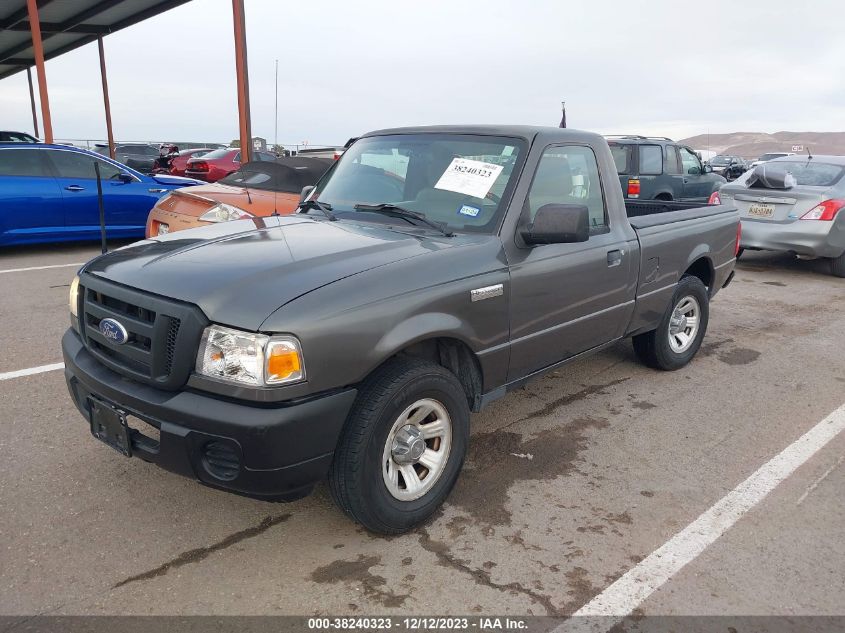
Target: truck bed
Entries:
(672, 236)
(646, 213)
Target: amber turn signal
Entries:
(284, 362)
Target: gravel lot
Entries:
(570, 483)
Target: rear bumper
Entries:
(174, 221)
(283, 451)
(813, 238)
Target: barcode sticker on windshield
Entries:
(471, 177)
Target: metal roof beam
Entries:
(21, 16)
(57, 27)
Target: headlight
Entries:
(250, 359)
(73, 303)
(222, 212)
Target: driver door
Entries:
(568, 298)
(697, 184)
(125, 209)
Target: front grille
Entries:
(162, 334)
(170, 344)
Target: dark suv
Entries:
(657, 168)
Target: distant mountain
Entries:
(752, 144)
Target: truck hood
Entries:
(239, 272)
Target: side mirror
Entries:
(558, 224)
(125, 178)
(305, 192)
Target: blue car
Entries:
(48, 193)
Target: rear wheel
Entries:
(402, 447)
(681, 330)
(837, 266)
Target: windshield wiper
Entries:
(325, 207)
(388, 208)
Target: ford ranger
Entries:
(428, 273)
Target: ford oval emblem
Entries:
(113, 331)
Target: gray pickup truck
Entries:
(430, 271)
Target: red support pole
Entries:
(32, 102)
(242, 75)
(38, 50)
(106, 96)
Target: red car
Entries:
(180, 161)
(219, 163)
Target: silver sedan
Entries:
(793, 204)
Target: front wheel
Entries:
(402, 447)
(681, 330)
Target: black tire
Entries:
(653, 348)
(355, 476)
(837, 266)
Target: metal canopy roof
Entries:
(66, 25)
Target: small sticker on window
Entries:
(470, 211)
(470, 177)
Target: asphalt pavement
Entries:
(570, 483)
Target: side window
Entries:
(690, 160)
(651, 160)
(22, 162)
(75, 165)
(671, 165)
(237, 158)
(622, 158)
(569, 174)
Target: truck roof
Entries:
(528, 132)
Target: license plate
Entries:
(163, 229)
(761, 210)
(108, 424)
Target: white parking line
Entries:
(32, 370)
(635, 586)
(21, 270)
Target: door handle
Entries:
(614, 258)
(74, 188)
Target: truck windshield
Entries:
(457, 180)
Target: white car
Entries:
(769, 156)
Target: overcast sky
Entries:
(658, 67)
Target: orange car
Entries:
(257, 189)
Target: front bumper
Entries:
(813, 238)
(283, 451)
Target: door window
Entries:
(22, 162)
(651, 160)
(75, 165)
(690, 160)
(670, 160)
(569, 174)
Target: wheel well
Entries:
(663, 196)
(702, 269)
(455, 356)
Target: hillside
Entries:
(752, 144)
